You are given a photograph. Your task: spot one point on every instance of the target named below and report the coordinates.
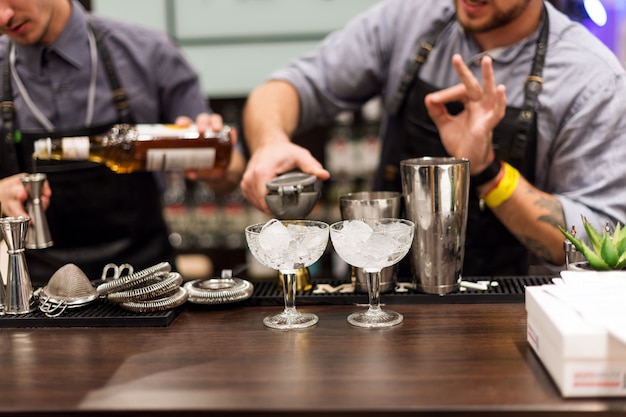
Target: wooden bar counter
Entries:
(444, 359)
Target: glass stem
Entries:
(373, 288)
(289, 289)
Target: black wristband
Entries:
(487, 174)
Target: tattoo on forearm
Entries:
(551, 213)
(555, 215)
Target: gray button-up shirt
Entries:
(160, 83)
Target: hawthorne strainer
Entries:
(219, 290)
(68, 287)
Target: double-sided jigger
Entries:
(19, 297)
(38, 236)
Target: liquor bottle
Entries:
(143, 147)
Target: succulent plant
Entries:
(607, 251)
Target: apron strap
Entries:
(532, 89)
(8, 157)
(7, 109)
(120, 97)
(413, 67)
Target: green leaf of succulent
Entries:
(619, 238)
(620, 245)
(577, 242)
(608, 252)
(594, 236)
(594, 259)
(621, 263)
(617, 233)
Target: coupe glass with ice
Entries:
(373, 244)
(287, 245)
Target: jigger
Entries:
(19, 297)
(38, 236)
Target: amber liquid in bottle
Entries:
(127, 149)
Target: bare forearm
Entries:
(270, 118)
(271, 113)
(532, 215)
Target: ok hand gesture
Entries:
(469, 133)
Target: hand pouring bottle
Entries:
(144, 147)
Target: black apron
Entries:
(490, 249)
(95, 216)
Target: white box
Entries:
(583, 358)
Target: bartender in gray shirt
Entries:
(532, 99)
(67, 73)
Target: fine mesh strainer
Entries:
(68, 287)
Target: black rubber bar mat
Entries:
(509, 289)
(100, 313)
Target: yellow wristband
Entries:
(505, 188)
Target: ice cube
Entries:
(316, 241)
(399, 231)
(274, 236)
(357, 230)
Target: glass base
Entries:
(290, 320)
(373, 319)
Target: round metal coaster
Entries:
(219, 290)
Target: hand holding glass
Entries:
(288, 245)
(373, 244)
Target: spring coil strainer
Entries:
(168, 302)
(152, 289)
(162, 285)
(133, 280)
